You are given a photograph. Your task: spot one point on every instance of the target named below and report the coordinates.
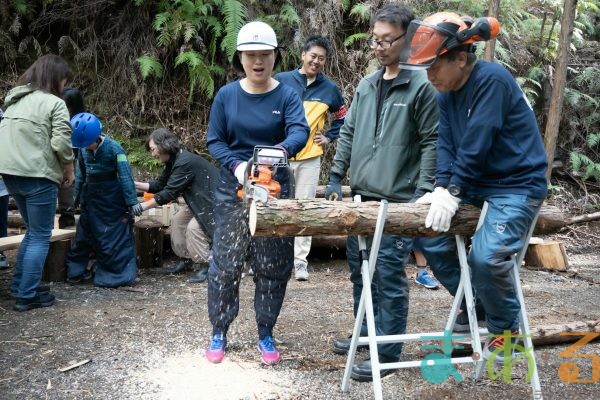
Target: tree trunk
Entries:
(490, 49)
(560, 78)
(322, 218)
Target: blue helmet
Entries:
(86, 129)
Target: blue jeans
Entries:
(502, 234)
(36, 200)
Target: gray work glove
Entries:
(136, 209)
(333, 191)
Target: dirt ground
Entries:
(146, 342)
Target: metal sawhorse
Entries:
(464, 290)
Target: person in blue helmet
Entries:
(105, 191)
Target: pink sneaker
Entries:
(269, 354)
(216, 349)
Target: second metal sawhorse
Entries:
(464, 290)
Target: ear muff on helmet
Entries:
(87, 128)
(428, 39)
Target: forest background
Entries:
(143, 64)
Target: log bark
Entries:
(55, 268)
(322, 218)
(148, 233)
(546, 335)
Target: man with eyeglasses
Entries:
(388, 144)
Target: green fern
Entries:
(593, 139)
(198, 71)
(234, 16)
(21, 7)
(362, 11)
(357, 37)
(580, 163)
(150, 66)
(288, 14)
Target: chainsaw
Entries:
(259, 184)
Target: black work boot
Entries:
(183, 265)
(362, 371)
(201, 275)
(342, 346)
(38, 301)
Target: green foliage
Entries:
(21, 6)
(354, 38)
(196, 29)
(235, 14)
(580, 163)
(137, 155)
(361, 11)
(199, 73)
(150, 66)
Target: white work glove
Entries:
(442, 209)
(425, 199)
(240, 171)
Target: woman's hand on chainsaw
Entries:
(240, 171)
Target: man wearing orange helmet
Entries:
(489, 150)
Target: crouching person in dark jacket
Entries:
(193, 177)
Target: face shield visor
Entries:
(423, 44)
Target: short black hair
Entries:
(317, 40)
(452, 54)
(74, 100)
(395, 14)
(165, 140)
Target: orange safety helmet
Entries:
(437, 34)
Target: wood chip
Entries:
(72, 366)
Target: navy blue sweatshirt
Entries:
(240, 120)
(489, 142)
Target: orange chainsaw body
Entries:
(265, 180)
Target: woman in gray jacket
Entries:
(36, 157)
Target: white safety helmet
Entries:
(256, 35)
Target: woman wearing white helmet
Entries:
(254, 111)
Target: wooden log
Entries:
(55, 268)
(317, 217)
(546, 335)
(148, 233)
(547, 255)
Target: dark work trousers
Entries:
(389, 286)
(105, 228)
(271, 260)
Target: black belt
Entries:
(101, 177)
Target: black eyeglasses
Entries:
(384, 44)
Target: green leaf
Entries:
(150, 66)
(357, 37)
